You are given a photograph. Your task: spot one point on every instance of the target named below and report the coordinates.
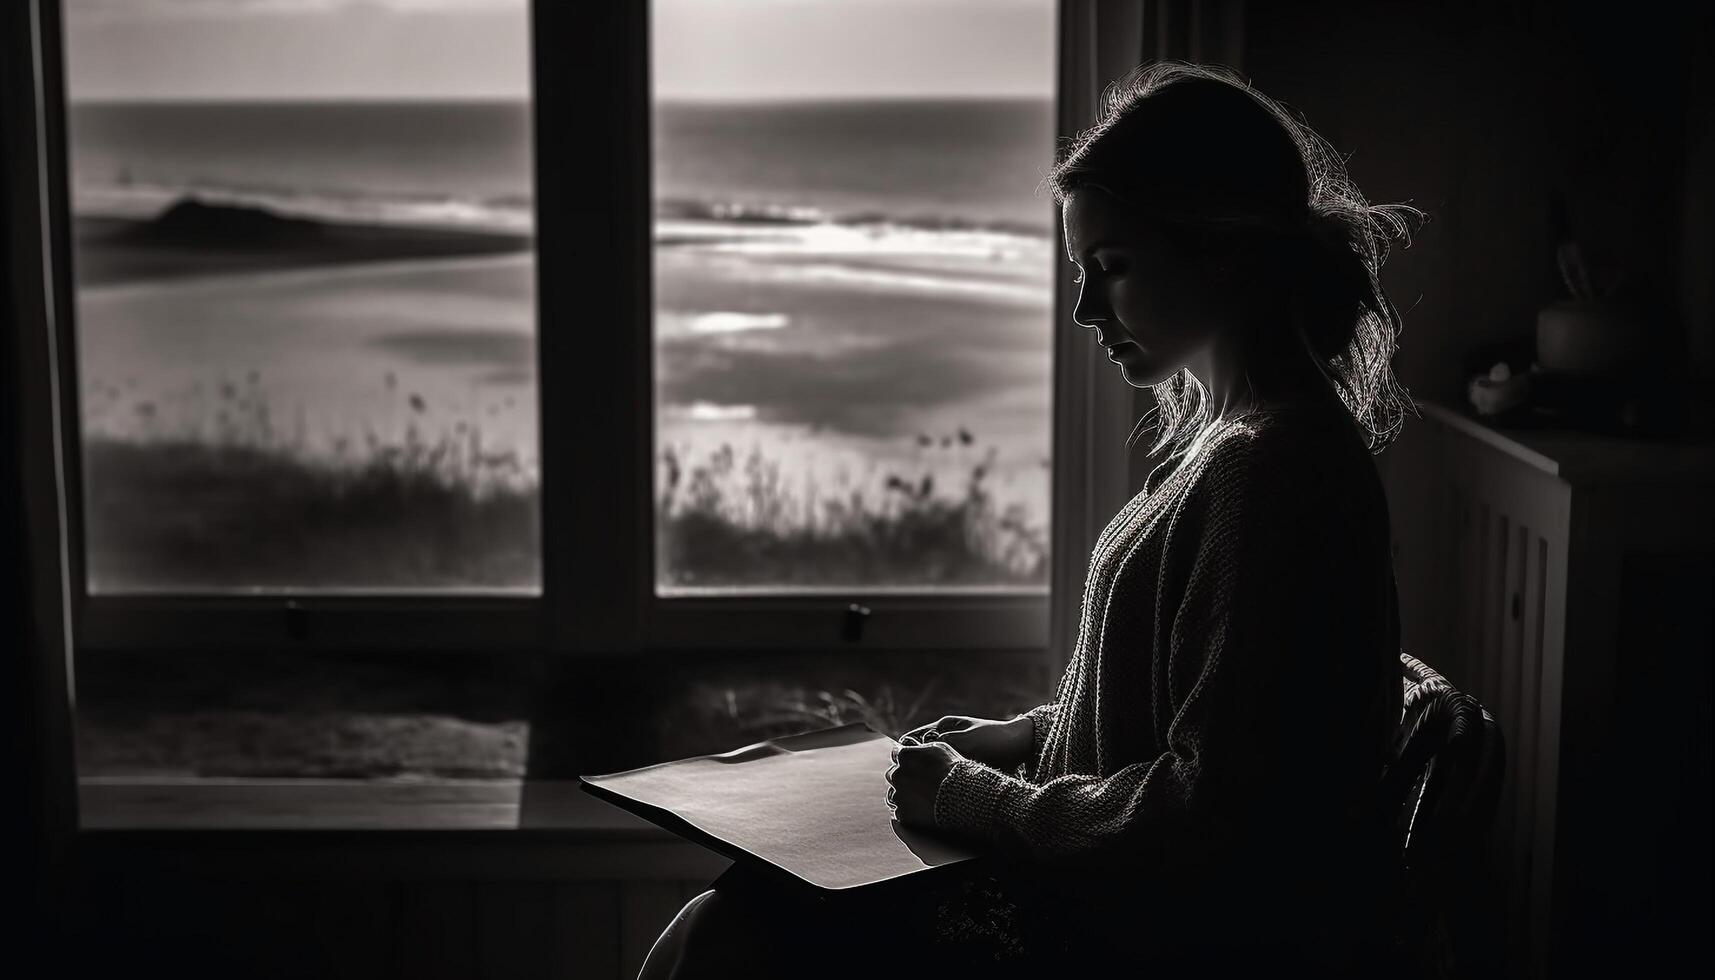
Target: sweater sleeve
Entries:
(1270, 562)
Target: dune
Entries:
(195, 238)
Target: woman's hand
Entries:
(1004, 745)
(916, 774)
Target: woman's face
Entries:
(1151, 305)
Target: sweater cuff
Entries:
(1041, 719)
(969, 797)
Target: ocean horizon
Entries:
(926, 163)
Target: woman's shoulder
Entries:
(1289, 441)
(1289, 465)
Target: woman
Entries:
(1201, 791)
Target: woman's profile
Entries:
(1201, 791)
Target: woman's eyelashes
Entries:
(1112, 267)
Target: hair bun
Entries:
(1328, 230)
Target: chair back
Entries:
(1448, 756)
(1445, 779)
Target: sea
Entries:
(850, 292)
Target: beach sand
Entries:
(847, 360)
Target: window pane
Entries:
(852, 293)
(305, 295)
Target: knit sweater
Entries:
(1224, 717)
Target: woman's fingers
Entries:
(920, 732)
(914, 778)
(1003, 745)
(967, 741)
(892, 803)
(939, 729)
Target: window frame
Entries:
(597, 540)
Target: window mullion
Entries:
(592, 157)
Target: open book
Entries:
(813, 806)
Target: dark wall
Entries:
(35, 809)
(23, 820)
(1479, 114)
(470, 905)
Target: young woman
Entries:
(1202, 790)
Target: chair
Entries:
(1444, 776)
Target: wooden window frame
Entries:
(593, 197)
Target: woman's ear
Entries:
(1223, 270)
(1218, 256)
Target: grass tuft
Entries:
(225, 502)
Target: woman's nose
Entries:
(1089, 310)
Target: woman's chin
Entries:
(1140, 373)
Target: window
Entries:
(378, 356)
(852, 294)
(306, 329)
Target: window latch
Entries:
(856, 616)
(296, 627)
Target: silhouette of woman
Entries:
(1201, 792)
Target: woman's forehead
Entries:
(1093, 218)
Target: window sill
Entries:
(133, 803)
(360, 831)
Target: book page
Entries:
(813, 805)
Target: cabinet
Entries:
(1565, 580)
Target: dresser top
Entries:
(1580, 457)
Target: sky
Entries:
(479, 49)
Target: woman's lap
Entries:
(768, 929)
(970, 925)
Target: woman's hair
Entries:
(1230, 175)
